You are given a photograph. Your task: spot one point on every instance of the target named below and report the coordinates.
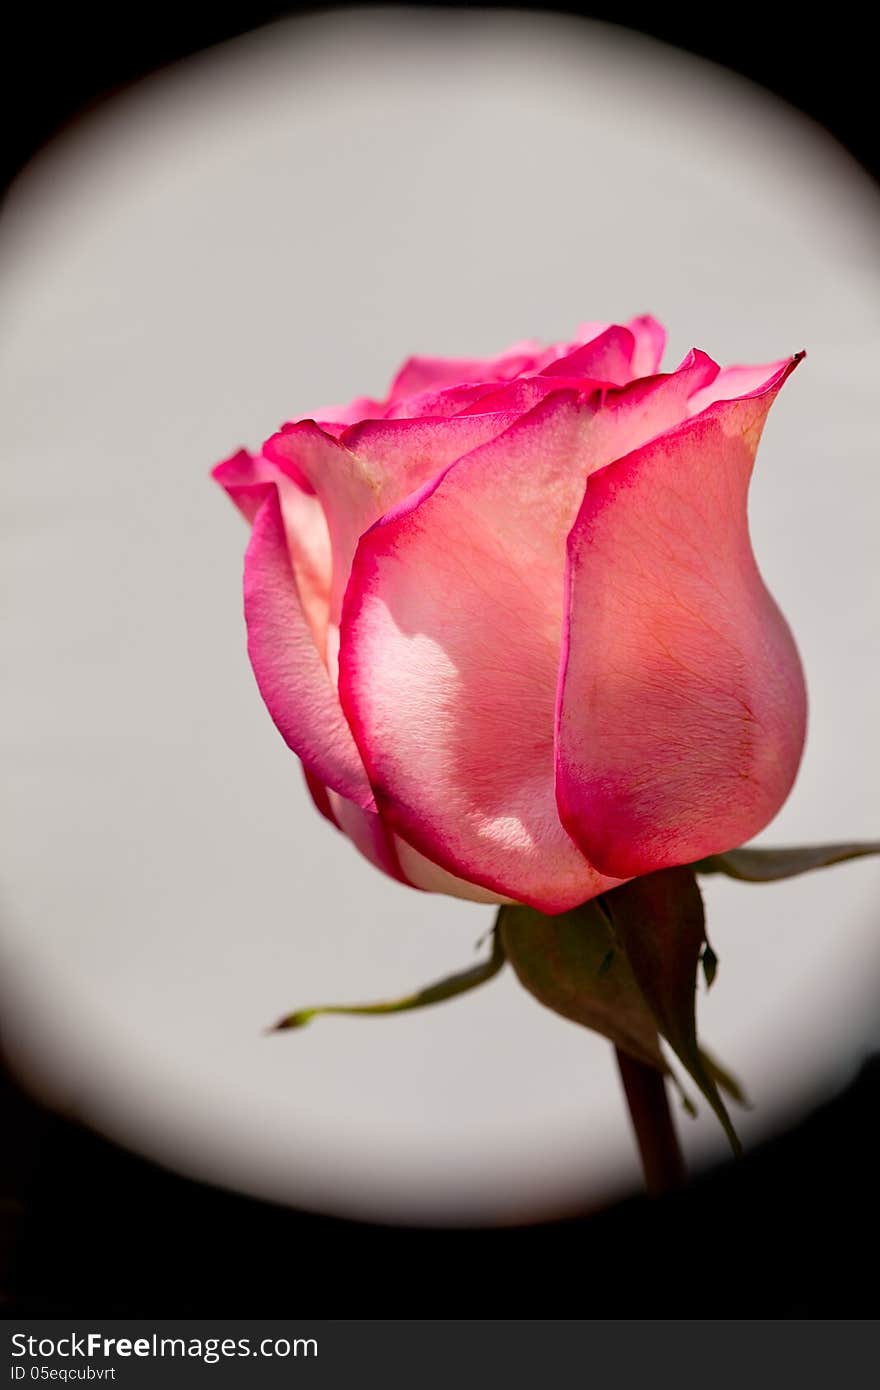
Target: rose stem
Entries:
(645, 1090)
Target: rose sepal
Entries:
(757, 864)
(625, 965)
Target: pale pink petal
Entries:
(290, 673)
(503, 389)
(584, 333)
(518, 397)
(524, 393)
(448, 664)
(438, 403)
(340, 416)
(423, 873)
(682, 705)
(244, 477)
(388, 852)
(347, 492)
(650, 342)
(369, 469)
(448, 694)
(423, 373)
(402, 455)
(368, 834)
(732, 383)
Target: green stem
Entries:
(645, 1090)
(431, 994)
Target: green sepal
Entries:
(575, 965)
(768, 865)
(432, 994)
(660, 922)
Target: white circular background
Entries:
(269, 226)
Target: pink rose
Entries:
(510, 620)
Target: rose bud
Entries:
(510, 620)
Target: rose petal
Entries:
(448, 659)
(681, 714)
(368, 834)
(290, 673)
(339, 417)
(402, 455)
(606, 358)
(370, 469)
(435, 404)
(520, 396)
(423, 873)
(244, 477)
(650, 342)
(732, 383)
(423, 373)
(451, 638)
(321, 797)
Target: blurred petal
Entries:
(650, 342)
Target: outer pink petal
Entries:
(451, 639)
(290, 673)
(448, 661)
(682, 705)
